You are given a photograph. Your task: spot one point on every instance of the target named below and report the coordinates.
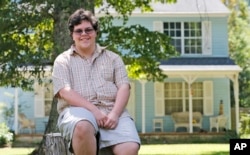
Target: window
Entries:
(188, 37)
(174, 97)
(197, 96)
(177, 98)
(43, 99)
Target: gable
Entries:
(192, 7)
(181, 7)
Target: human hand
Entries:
(101, 118)
(112, 121)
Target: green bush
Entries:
(245, 124)
(5, 136)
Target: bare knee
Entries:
(122, 149)
(83, 141)
(83, 129)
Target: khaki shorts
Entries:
(124, 132)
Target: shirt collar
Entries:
(99, 49)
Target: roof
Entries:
(199, 61)
(182, 7)
(192, 7)
(200, 65)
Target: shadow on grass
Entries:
(216, 153)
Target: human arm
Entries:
(75, 99)
(119, 106)
(123, 91)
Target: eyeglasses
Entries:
(87, 31)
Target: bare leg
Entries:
(130, 148)
(84, 141)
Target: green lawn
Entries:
(161, 149)
(15, 151)
(185, 149)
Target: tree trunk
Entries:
(55, 145)
(62, 41)
(50, 128)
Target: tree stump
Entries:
(55, 145)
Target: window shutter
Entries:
(206, 38)
(158, 26)
(39, 100)
(159, 99)
(131, 101)
(208, 106)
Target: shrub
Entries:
(245, 124)
(5, 136)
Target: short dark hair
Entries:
(80, 15)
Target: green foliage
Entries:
(245, 124)
(239, 45)
(3, 2)
(140, 48)
(32, 34)
(25, 40)
(244, 79)
(5, 136)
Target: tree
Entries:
(34, 32)
(239, 45)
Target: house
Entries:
(33, 105)
(199, 80)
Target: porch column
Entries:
(190, 79)
(190, 105)
(143, 105)
(16, 111)
(234, 79)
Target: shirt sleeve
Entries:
(60, 74)
(121, 76)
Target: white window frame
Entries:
(197, 95)
(207, 98)
(205, 38)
